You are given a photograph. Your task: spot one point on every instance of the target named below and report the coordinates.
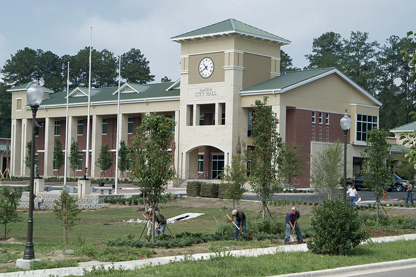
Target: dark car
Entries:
(397, 183)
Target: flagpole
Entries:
(87, 152)
(66, 128)
(118, 124)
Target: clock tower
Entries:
(217, 62)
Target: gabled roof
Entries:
(24, 87)
(230, 26)
(106, 96)
(409, 127)
(293, 79)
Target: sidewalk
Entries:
(237, 253)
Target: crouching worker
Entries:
(292, 225)
(240, 221)
(161, 223)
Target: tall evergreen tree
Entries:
(327, 51)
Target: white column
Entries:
(96, 137)
(49, 146)
(15, 148)
(280, 112)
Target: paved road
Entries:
(316, 197)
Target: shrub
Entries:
(222, 188)
(209, 190)
(337, 228)
(193, 189)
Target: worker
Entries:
(292, 225)
(240, 222)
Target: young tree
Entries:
(327, 169)
(236, 176)
(8, 204)
(73, 156)
(66, 210)
(375, 171)
(150, 160)
(291, 162)
(264, 157)
(123, 161)
(105, 161)
(58, 156)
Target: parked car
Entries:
(397, 183)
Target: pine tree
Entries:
(66, 211)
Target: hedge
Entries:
(209, 190)
(193, 189)
(222, 188)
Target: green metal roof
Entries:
(397, 148)
(292, 79)
(409, 127)
(288, 79)
(149, 92)
(230, 26)
(26, 86)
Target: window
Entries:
(250, 124)
(80, 127)
(18, 104)
(320, 118)
(327, 118)
(130, 125)
(36, 131)
(200, 162)
(79, 163)
(313, 117)
(57, 128)
(223, 119)
(364, 124)
(201, 119)
(217, 166)
(105, 123)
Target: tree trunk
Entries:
(264, 210)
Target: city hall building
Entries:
(224, 69)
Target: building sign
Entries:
(205, 92)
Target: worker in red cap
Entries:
(292, 225)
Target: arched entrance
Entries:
(205, 163)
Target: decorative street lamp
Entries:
(34, 97)
(345, 123)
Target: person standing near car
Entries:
(409, 192)
(352, 194)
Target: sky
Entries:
(64, 27)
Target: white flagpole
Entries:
(66, 129)
(118, 123)
(87, 149)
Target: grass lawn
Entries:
(87, 237)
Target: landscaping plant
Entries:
(66, 210)
(337, 228)
(8, 204)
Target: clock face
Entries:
(206, 67)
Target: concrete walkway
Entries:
(237, 253)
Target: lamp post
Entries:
(345, 123)
(34, 97)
